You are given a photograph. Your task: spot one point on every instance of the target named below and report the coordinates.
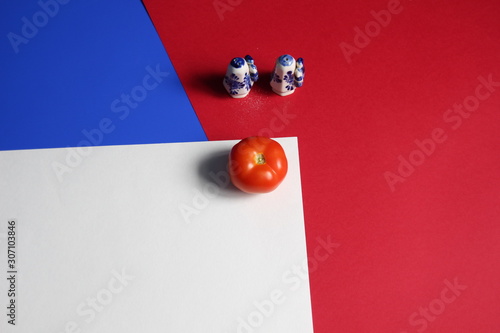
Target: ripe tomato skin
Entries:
(257, 165)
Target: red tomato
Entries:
(257, 164)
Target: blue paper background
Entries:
(85, 56)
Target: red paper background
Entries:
(353, 120)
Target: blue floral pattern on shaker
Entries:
(247, 82)
(275, 78)
(289, 79)
(234, 84)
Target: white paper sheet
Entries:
(149, 238)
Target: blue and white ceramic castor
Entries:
(240, 76)
(288, 74)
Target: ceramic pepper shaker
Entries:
(240, 76)
(287, 75)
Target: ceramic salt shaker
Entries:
(288, 74)
(240, 76)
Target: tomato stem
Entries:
(260, 159)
